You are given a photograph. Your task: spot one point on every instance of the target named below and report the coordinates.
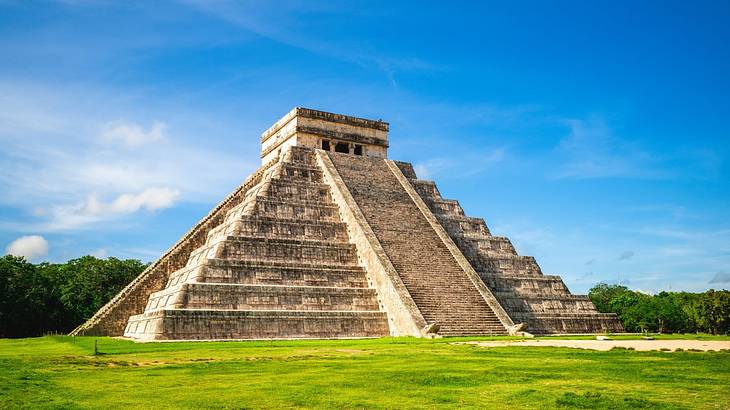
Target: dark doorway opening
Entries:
(326, 145)
(342, 147)
(358, 149)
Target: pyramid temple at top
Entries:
(330, 239)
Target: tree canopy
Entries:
(43, 298)
(665, 312)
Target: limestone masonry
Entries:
(330, 239)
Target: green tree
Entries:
(668, 313)
(713, 310)
(36, 299)
(88, 283)
(21, 298)
(602, 294)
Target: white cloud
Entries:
(100, 253)
(32, 247)
(132, 135)
(150, 199)
(93, 209)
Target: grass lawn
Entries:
(62, 372)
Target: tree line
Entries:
(665, 312)
(56, 297)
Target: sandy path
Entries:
(643, 345)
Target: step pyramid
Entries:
(330, 239)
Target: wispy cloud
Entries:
(720, 278)
(92, 210)
(293, 28)
(67, 166)
(591, 150)
(454, 168)
(626, 255)
(132, 135)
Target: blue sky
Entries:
(595, 137)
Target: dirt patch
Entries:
(604, 345)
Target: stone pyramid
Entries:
(330, 239)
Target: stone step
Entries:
(263, 297)
(567, 297)
(272, 273)
(260, 247)
(301, 275)
(506, 264)
(298, 190)
(190, 324)
(299, 155)
(458, 225)
(444, 206)
(426, 189)
(546, 303)
(581, 323)
(258, 226)
(300, 172)
(525, 284)
(243, 248)
(407, 169)
(309, 211)
(491, 244)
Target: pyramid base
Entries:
(578, 323)
(183, 324)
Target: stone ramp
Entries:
(543, 302)
(279, 265)
(438, 285)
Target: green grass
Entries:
(62, 372)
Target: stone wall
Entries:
(307, 128)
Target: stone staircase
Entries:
(436, 282)
(278, 266)
(543, 302)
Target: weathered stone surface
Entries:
(543, 302)
(439, 286)
(318, 244)
(283, 249)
